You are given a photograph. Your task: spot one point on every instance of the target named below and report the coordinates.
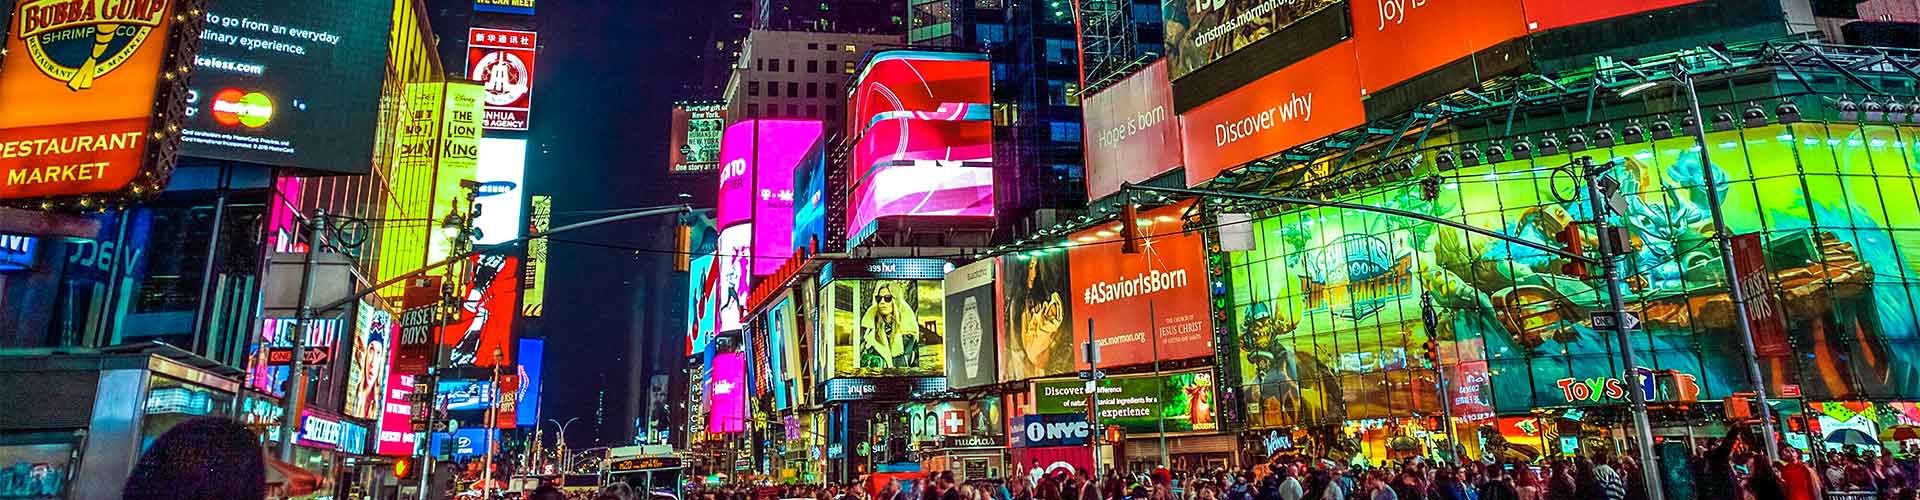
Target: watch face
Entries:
(970, 335)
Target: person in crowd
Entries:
(1526, 483)
(201, 458)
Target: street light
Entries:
(566, 461)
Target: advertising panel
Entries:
(464, 443)
(520, 7)
(1200, 32)
(533, 292)
(502, 61)
(367, 376)
(922, 136)
(810, 202)
(413, 350)
(732, 276)
(1181, 402)
(1155, 303)
(726, 394)
(531, 359)
(1328, 301)
(695, 145)
(1132, 133)
(888, 328)
(1311, 99)
(464, 395)
(701, 303)
(781, 346)
(1040, 333)
(81, 91)
(902, 268)
(396, 437)
(1047, 430)
(1549, 14)
(482, 331)
(735, 203)
(756, 182)
(449, 146)
(292, 84)
(973, 359)
(17, 252)
(1400, 40)
(502, 172)
(277, 333)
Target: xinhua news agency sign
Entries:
(84, 106)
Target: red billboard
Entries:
(482, 332)
(1313, 98)
(922, 85)
(1544, 15)
(502, 61)
(413, 350)
(1132, 134)
(396, 418)
(1157, 297)
(1397, 40)
(923, 139)
(1764, 315)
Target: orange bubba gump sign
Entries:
(1303, 102)
(84, 86)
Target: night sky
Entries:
(610, 70)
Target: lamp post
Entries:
(493, 425)
(566, 462)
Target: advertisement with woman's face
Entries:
(888, 328)
(1039, 338)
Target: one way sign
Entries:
(1603, 320)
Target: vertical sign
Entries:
(413, 352)
(81, 90)
(502, 61)
(533, 297)
(1763, 313)
(455, 153)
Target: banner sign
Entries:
(413, 352)
(1395, 41)
(1179, 402)
(1311, 99)
(974, 359)
(1132, 134)
(886, 389)
(1064, 429)
(1150, 304)
(502, 61)
(886, 269)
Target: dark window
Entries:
(753, 110)
(813, 90)
(753, 89)
(829, 90)
(793, 89)
(813, 111)
(773, 89)
(789, 65)
(832, 111)
(758, 65)
(813, 66)
(793, 110)
(813, 46)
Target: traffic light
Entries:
(1129, 228)
(1431, 319)
(682, 248)
(1570, 241)
(1430, 188)
(403, 468)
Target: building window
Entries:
(830, 93)
(813, 90)
(790, 66)
(753, 110)
(851, 48)
(759, 65)
(833, 111)
(793, 110)
(793, 89)
(850, 67)
(813, 46)
(773, 89)
(753, 89)
(1064, 132)
(831, 65)
(773, 65)
(813, 66)
(813, 111)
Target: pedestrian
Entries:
(1289, 487)
(201, 458)
(1560, 482)
(1526, 483)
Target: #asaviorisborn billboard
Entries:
(1132, 133)
(923, 138)
(1154, 302)
(292, 84)
(81, 92)
(502, 61)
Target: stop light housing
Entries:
(1129, 228)
(1570, 241)
(403, 468)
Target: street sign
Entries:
(1610, 190)
(283, 356)
(1603, 320)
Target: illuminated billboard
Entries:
(501, 196)
(1153, 303)
(810, 202)
(372, 350)
(464, 395)
(1314, 98)
(695, 144)
(1132, 133)
(531, 359)
(520, 7)
(758, 159)
(887, 327)
(1393, 43)
(726, 394)
(502, 61)
(1039, 333)
(482, 331)
(733, 278)
(292, 84)
(443, 136)
(702, 303)
(973, 358)
(922, 139)
(1180, 402)
(396, 436)
(1200, 32)
(533, 293)
(278, 333)
(83, 88)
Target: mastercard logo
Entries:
(233, 107)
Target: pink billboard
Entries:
(726, 392)
(758, 158)
(1132, 134)
(736, 180)
(396, 418)
(734, 259)
(923, 139)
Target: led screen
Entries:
(518, 7)
(16, 252)
(1146, 305)
(396, 420)
(293, 84)
(973, 357)
(1132, 133)
(736, 175)
(1037, 314)
(759, 158)
(502, 61)
(922, 138)
(532, 358)
(482, 331)
(465, 442)
(1311, 99)
(1181, 402)
(888, 328)
(464, 395)
(695, 144)
(1199, 32)
(702, 282)
(726, 394)
(733, 279)
(1328, 301)
(780, 347)
(447, 143)
(810, 201)
(367, 375)
(502, 173)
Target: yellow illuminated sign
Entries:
(533, 299)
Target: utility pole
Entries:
(1431, 319)
(296, 376)
(1642, 427)
(1093, 376)
(450, 291)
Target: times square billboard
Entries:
(758, 160)
(923, 138)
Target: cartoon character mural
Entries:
(1328, 302)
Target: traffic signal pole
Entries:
(1642, 426)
